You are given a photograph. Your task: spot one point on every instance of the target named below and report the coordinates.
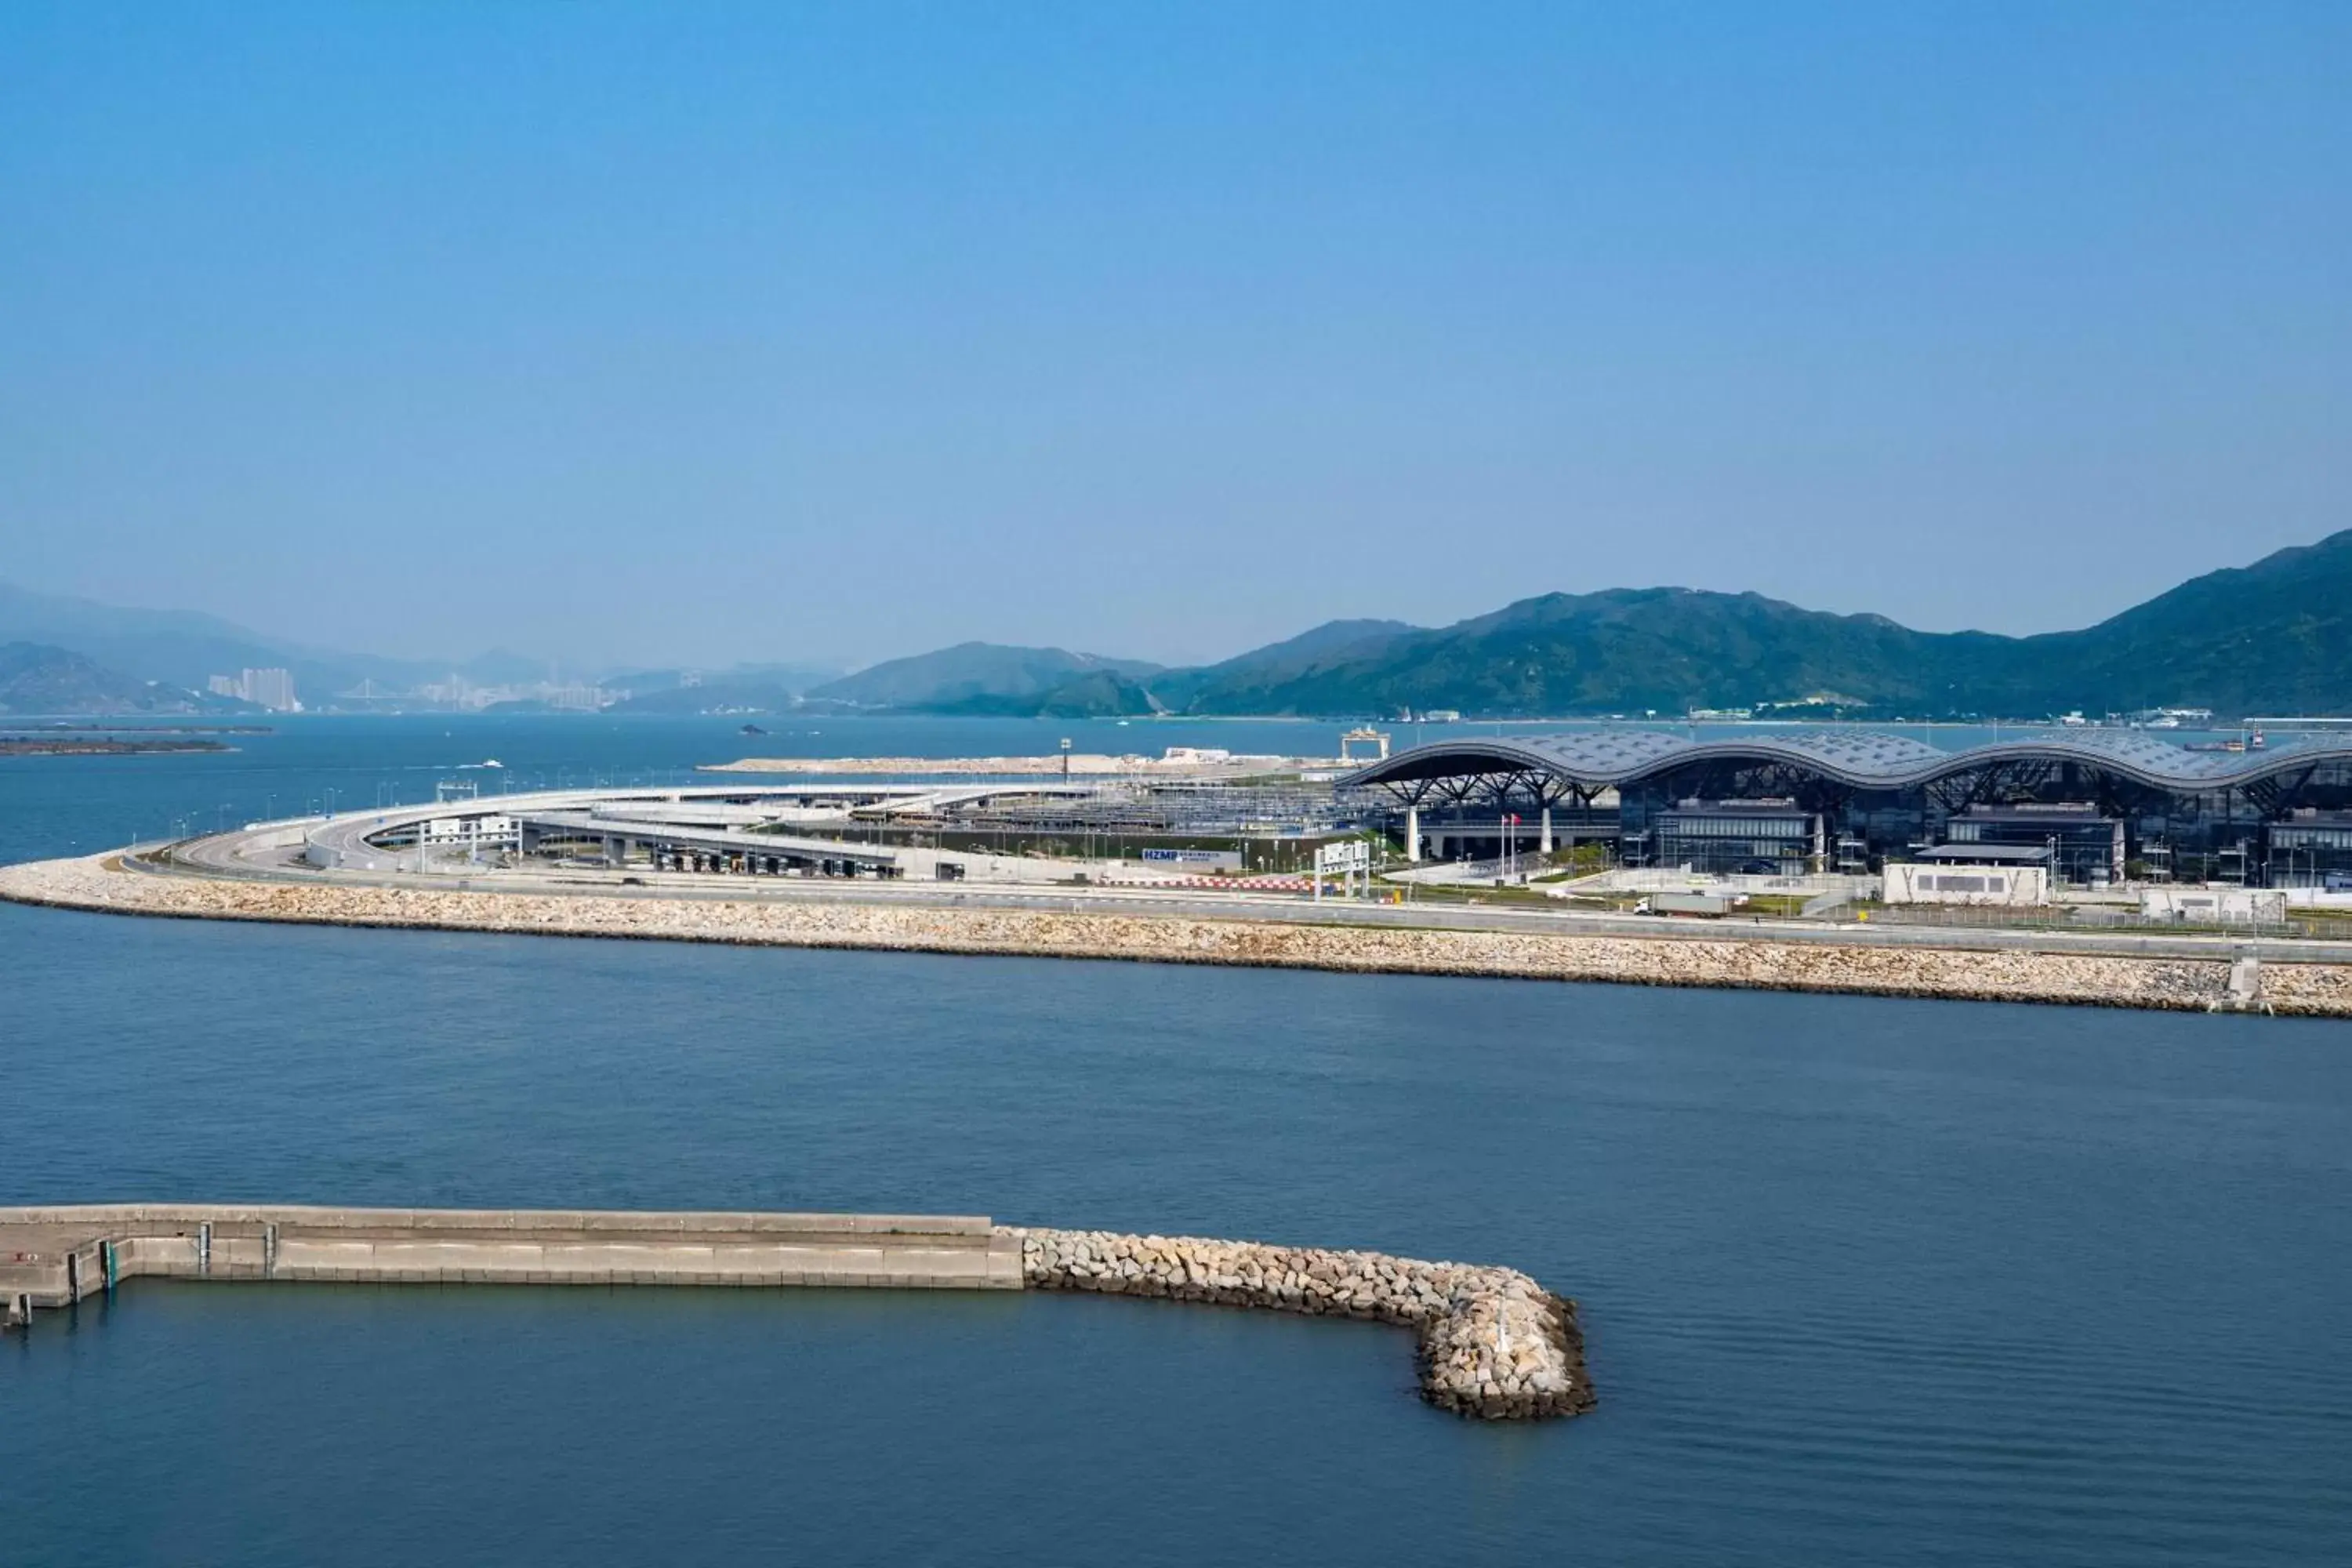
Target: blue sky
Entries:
(709, 332)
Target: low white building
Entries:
(1908, 884)
(2215, 906)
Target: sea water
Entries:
(1864, 1280)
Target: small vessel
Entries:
(2253, 743)
(751, 730)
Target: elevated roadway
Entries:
(667, 837)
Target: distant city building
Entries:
(455, 692)
(272, 689)
(576, 699)
(462, 694)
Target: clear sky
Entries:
(704, 332)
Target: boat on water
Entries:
(2253, 743)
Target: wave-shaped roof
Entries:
(1864, 759)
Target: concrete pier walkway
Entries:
(52, 1257)
(1493, 1343)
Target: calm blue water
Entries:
(1866, 1281)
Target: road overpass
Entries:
(686, 846)
(714, 824)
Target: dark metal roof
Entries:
(1982, 854)
(1597, 759)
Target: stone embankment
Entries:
(1494, 1343)
(1761, 961)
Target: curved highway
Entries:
(275, 851)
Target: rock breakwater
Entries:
(1761, 961)
(1494, 1343)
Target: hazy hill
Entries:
(992, 678)
(726, 696)
(789, 678)
(183, 647)
(2272, 637)
(38, 679)
(177, 646)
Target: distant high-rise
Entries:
(225, 686)
(575, 697)
(273, 688)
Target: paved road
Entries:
(230, 855)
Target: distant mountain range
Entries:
(36, 678)
(746, 688)
(185, 647)
(988, 678)
(2272, 638)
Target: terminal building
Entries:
(2092, 807)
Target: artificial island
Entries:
(2100, 867)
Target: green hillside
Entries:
(2274, 637)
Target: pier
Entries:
(1493, 1343)
(54, 1257)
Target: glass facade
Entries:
(2082, 846)
(2277, 820)
(2107, 826)
(1735, 838)
(2310, 851)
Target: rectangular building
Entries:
(2312, 848)
(1768, 838)
(273, 688)
(2085, 848)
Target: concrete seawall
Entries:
(2310, 989)
(1493, 1343)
